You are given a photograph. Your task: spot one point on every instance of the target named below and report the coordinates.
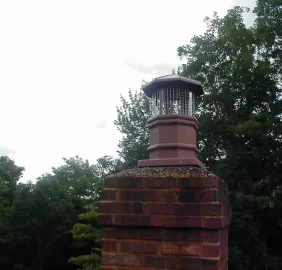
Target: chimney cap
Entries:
(173, 81)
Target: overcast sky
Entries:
(64, 63)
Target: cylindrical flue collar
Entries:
(172, 141)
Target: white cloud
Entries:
(161, 68)
(64, 64)
(6, 151)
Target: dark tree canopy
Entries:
(131, 121)
(51, 223)
(36, 227)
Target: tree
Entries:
(10, 174)
(108, 165)
(36, 225)
(131, 121)
(269, 32)
(81, 178)
(240, 118)
(4, 220)
(89, 235)
(60, 198)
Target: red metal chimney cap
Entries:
(173, 81)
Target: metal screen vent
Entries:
(173, 101)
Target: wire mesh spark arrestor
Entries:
(173, 126)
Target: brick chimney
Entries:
(170, 213)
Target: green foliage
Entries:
(36, 227)
(10, 174)
(89, 235)
(87, 262)
(240, 117)
(131, 121)
(107, 165)
(4, 219)
(52, 223)
(269, 32)
(81, 178)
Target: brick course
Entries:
(174, 220)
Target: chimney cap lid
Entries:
(173, 81)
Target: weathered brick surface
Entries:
(132, 220)
(159, 262)
(182, 221)
(166, 220)
(120, 233)
(137, 195)
(105, 219)
(183, 249)
(109, 195)
(119, 259)
(198, 263)
(139, 246)
(109, 245)
(160, 234)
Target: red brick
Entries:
(185, 249)
(191, 249)
(105, 219)
(157, 221)
(132, 220)
(171, 248)
(160, 234)
(210, 250)
(163, 208)
(162, 183)
(199, 182)
(108, 268)
(139, 247)
(121, 182)
(120, 233)
(128, 182)
(202, 235)
(197, 263)
(115, 207)
(202, 209)
(109, 195)
(158, 262)
(214, 222)
(224, 265)
(109, 245)
(198, 195)
(181, 221)
(222, 197)
(137, 195)
(227, 210)
(137, 208)
(111, 182)
(130, 268)
(116, 260)
(170, 195)
(227, 220)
